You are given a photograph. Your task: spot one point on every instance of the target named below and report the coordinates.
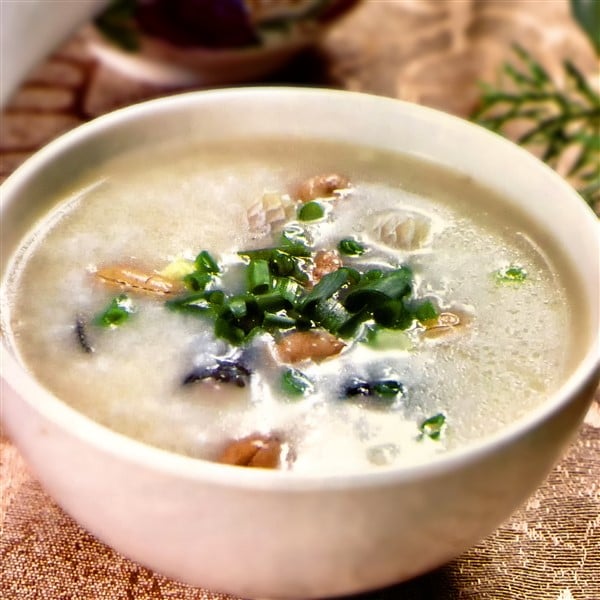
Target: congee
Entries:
(300, 305)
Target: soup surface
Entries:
(112, 305)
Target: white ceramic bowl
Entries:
(261, 533)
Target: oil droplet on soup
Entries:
(208, 305)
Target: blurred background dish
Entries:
(208, 42)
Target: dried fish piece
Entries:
(255, 450)
(322, 186)
(268, 212)
(315, 345)
(401, 229)
(133, 279)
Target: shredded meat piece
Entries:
(326, 261)
(136, 280)
(321, 186)
(255, 450)
(303, 345)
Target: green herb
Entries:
(205, 263)
(374, 292)
(426, 311)
(587, 13)
(311, 211)
(296, 383)
(512, 274)
(117, 25)
(351, 247)
(433, 426)
(557, 119)
(197, 281)
(259, 276)
(388, 388)
(117, 312)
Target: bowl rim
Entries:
(143, 455)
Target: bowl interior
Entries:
(526, 184)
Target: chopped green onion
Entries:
(278, 321)
(311, 211)
(229, 331)
(371, 293)
(327, 287)
(387, 339)
(351, 247)
(426, 311)
(197, 281)
(296, 383)
(196, 302)
(331, 314)
(205, 263)
(258, 276)
(433, 426)
(388, 388)
(512, 274)
(117, 312)
(238, 307)
(391, 313)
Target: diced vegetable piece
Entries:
(117, 312)
(388, 339)
(311, 211)
(205, 263)
(327, 287)
(373, 292)
(296, 383)
(511, 274)
(426, 311)
(433, 426)
(178, 269)
(351, 247)
(197, 281)
(278, 321)
(259, 276)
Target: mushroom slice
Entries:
(403, 230)
(322, 186)
(268, 212)
(254, 450)
(315, 345)
(136, 280)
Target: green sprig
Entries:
(556, 119)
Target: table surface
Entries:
(429, 51)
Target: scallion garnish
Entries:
(258, 276)
(433, 426)
(205, 263)
(296, 383)
(426, 311)
(511, 274)
(117, 312)
(311, 211)
(351, 247)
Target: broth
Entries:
(158, 206)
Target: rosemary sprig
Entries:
(556, 120)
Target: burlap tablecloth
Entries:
(429, 51)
